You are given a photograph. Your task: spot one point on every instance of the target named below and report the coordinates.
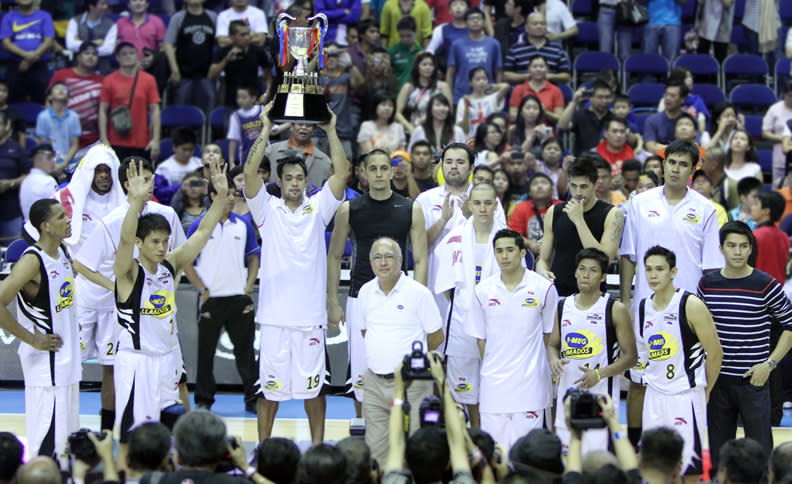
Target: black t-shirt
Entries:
(425, 184)
(404, 192)
(243, 71)
(588, 129)
(194, 43)
(13, 164)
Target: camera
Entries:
(196, 183)
(416, 364)
(81, 447)
(431, 412)
(227, 464)
(585, 411)
(517, 155)
(357, 427)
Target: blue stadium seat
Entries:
(756, 97)
(645, 65)
(593, 62)
(700, 65)
(785, 12)
(753, 124)
(765, 160)
(223, 144)
(739, 10)
(587, 37)
(737, 34)
(782, 70)
(28, 111)
(748, 68)
(582, 8)
(567, 92)
(184, 116)
(15, 250)
(709, 93)
(646, 94)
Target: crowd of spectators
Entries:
(496, 75)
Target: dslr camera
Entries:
(81, 447)
(585, 411)
(431, 412)
(226, 465)
(416, 364)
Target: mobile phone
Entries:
(196, 183)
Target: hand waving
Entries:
(141, 187)
(217, 168)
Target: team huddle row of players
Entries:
(508, 332)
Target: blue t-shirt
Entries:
(450, 35)
(59, 130)
(27, 31)
(659, 128)
(466, 54)
(665, 12)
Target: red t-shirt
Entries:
(523, 213)
(84, 93)
(550, 96)
(442, 10)
(115, 91)
(615, 159)
(772, 251)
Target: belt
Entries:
(387, 376)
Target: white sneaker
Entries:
(787, 405)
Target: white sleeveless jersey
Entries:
(51, 311)
(148, 316)
(674, 355)
(588, 339)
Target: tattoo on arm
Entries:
(618, 227)
(255, 148)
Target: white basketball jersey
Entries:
(51, 311)
(148, 316)
(674, 355)
(588, 339)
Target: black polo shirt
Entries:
(243, 72)
(588, 129)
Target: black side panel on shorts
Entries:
(48, 444)
(128, 417)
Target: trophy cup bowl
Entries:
(300, 98)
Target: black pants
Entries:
(721, 49)
(28, 86)
(731, 398)
(235, 314)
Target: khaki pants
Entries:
(377, 397)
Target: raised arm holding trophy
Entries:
(300, 97)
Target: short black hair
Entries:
(747, 185)
(291, 160)
(683, 89)
(535, 57)
(622, 98)
(253, 91)
(237, 170)
(183, 136)
(774, 201)
(421, 143)
(211, 188)
(538, 175)
(685, 147)
(358, 460)
(407, 23)
(145, 164)
(736, 227)
(11, 452)
(473, 11)
(460, 146)
(584, 165)
(235, 25)
(600, 84)
(661, 449)
(744, 460)
(631, 165)
(594, 254)
(427, 455)
(651, 175)
(609, 474)
(151, 222)
(371, 154)
(483, 168)
(149, 444)
(669, 255)
(781, 461)
(277, 459)
(616, 119)
(509, 234)
(689, 117)
(41, 211)
(698, 174)
(601, 164)
(322, 464)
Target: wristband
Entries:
(596, 370)
(250, 472)
(397, 402)
(617, 436)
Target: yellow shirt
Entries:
(391, 14)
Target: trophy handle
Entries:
(321, 19)
(283, 19)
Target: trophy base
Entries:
(298, 107)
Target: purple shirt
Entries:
(27, 31)
(659, 128)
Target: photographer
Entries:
(11, 452)
(573, 474)
(86, 450)
(204, 449)
(426, 452)
(148, 451)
